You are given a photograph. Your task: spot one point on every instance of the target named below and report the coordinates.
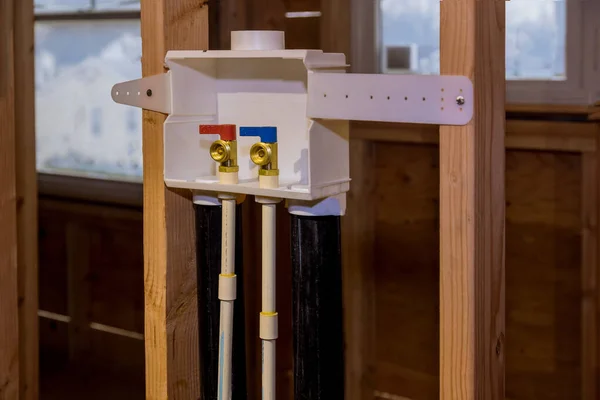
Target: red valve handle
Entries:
(227, 132)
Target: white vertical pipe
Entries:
(268, 257)
(227, 276)
(268, 315)
(268, 370)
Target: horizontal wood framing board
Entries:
(574, 109)
(98, 190)
(595, 113)
(525, 135)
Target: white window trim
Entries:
(581, 87)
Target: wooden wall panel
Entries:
(114, 263)
(108, 352)
(590, 372)
(302, 33)
(117, 278)
(405, 266)
(54, 344)
(53, 262)
(91, 272)
(543, 259)
(303, 5)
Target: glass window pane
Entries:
(535, 37)
(61, 5)
(117, 4)
(80, 130)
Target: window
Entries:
(84, 47)
(96, 121)
(551, 45)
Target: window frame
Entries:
(582, 85)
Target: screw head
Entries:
(460, 100)
(149, 92)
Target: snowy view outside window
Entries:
(535, 36)
(80, 130)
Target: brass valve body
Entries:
(225, 153)
(265, 156)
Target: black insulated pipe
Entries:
(317, 308)
(208, 259)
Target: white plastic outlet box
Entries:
(304, 93)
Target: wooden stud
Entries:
(171, 328)
(472, 206)
(358, 235)
(358, 225)
(232, 15)
(589, 277)
(9, 332)
(335, 27)
(26, 186)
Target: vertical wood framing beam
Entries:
(472, 206)
(358, 233)
(9, 332)
(27, 200)
(336, 18)
(358, 225)
(232, 15)
(589, 276)
(171, 327)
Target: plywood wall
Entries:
(543, 250)
(91, 272)
(543, 265)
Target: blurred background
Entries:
(89, 160)
(84, 46)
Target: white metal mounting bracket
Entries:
(151, 93)
(421, 99)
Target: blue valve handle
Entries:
(267, 134)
